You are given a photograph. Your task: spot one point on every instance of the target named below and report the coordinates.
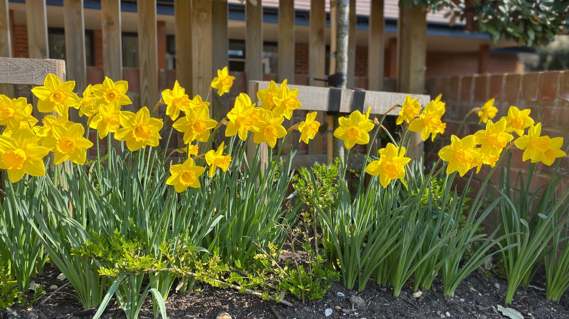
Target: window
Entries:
(237, 54)
(129, 50)
(56, 42)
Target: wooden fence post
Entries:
(202, 46)
(352, 44)
(147, 53)
(75, 43)
(220, 44)
(317, 59)
(286, 67)
(36, 23)
(5, 41)
(254, 40)
(375, 56)
(412, 47)
(183, 10)
(112, 38)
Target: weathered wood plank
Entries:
(318, 99)
(36, 22)
(29, 71)
(352, 43)
(112, 41)
(220, 47)
(286, 66)
(75, 42)
(376, 46)
(412, 47)
(5, 37)
(202, 38)
(254, 40)
(317, 59)
(147, 52)
(183, 10)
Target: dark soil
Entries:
(478, 297)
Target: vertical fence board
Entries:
(112, 41)
(376, 46)
(183, 12)
(75, 42)
(317, 58)
(5, 37)
(201, 24)
(412, 47)
(254, 40)
(36, 22)
(286, 67)
(147, 52)
(220, 47)
(161, 38)
(352, 42)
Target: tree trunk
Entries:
(342, 36)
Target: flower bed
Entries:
(145, 217)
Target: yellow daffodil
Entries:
(196, 126)
(176, 100)
(90, 101)
(185, 175)
(197, 103)
(49, 123)
(493, 140)
(15, 113)
(107, 120)
(242, 118)
(354, 129)
(461, 155)
(69, 144)
(409, 110)
(56, 95)
(487, 111)
(21, 154)
(429, 122)
(518, 120)
(270, 128)
(223, 81)
(267, 96)
(308, 128)
(390, 166)
(114, 92)
(193, 150)
(287, 101)
(216, 159)
(139, 129)
(539, 148)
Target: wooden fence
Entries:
(201, 29)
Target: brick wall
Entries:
(545, 93)
(20, 41)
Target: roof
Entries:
(391, 9)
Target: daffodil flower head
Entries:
(461, 155)
(390, 166)
(56, 95)
(308, 128)
(269, 128)
(139, 129)
(197, 104)
(354, 129)
(518, 120)
(193, 150)
(410, 109)
(429, 122)
(114, 92)
(196, 125)
(242, 118)
(185, 175)
(538, 148)
(487, 111)
(107, 120)
(268, 95)
(21, 154)
(15, 113)
(176, 100)
(287, 101)
(68, 143)
(493, 140)
(223, 81)
(215, 159)
(90, 101)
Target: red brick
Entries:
(496, 86)
(98, 47)
(564, 89)
(452, 93)
(20, 39)
(480, 88)
(466, 90)
(512, 85)
(529, 87)
(548, 86)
